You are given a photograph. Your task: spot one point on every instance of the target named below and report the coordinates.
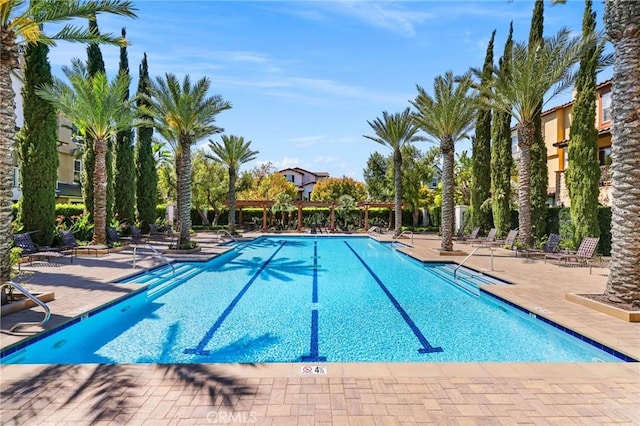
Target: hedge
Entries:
(377, 215)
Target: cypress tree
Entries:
(38, 148)
(539, 169)
(481, 149)
(583, 174)
(125, 174)
(501, 156)
(146, 173)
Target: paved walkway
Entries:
(348, 394)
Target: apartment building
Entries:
(304, 180)
(556, 129)
(68, 188)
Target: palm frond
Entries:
(450, 112)
(394, 130)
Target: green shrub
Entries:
(604, 221)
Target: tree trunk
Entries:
(622, 22)
(8, 61)
(397, 177)
(447, 149)
(232, 200)
(183, 172)
(203, 216)
(100, 192)
(526, 138)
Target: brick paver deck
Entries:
(349, 394)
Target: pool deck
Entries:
(348, 394)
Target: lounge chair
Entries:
(69, 242)
(551, 246)
(584, 254)
(33, 252)
(113, 236)
(491, 236)
(507, 242)
(155, 234)
(135, 238)
(463, 238)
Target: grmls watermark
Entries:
(229, 417)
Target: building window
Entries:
(515, 149)
(604, 156)
(291, 178)
(16, 177)
(605, 100)
(566, 158)
(77, 171)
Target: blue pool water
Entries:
(308, 299)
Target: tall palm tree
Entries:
(539, 71)
(446, 117)
(232, 153)
(622, 20)
(395, 131)
(21, 22)
(96, 107)
(184, 114)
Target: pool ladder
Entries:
(47, 311)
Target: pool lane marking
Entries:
(313, 350)
(426, 346)
(199, 350)
(314, 297)
(313, 345)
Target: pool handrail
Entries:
(47, 311)
(455, 270)
(225, 232)
(404, 233)
(157, 253)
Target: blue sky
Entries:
(305, 77)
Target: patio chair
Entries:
(507, 242)
(463, 238)
(33, 252)
(584, 254)
(491, 236)
(69, 242)
(551, 246)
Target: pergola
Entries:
(266, 204)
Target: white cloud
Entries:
(393, 17)
(306, 141)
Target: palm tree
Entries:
(96, 107)
(395, 131)
(446, 117)
(622, 19)
(21, 23)
(232, 152)
(183, 115)
(535, 71)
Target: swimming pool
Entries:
(308, 299)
